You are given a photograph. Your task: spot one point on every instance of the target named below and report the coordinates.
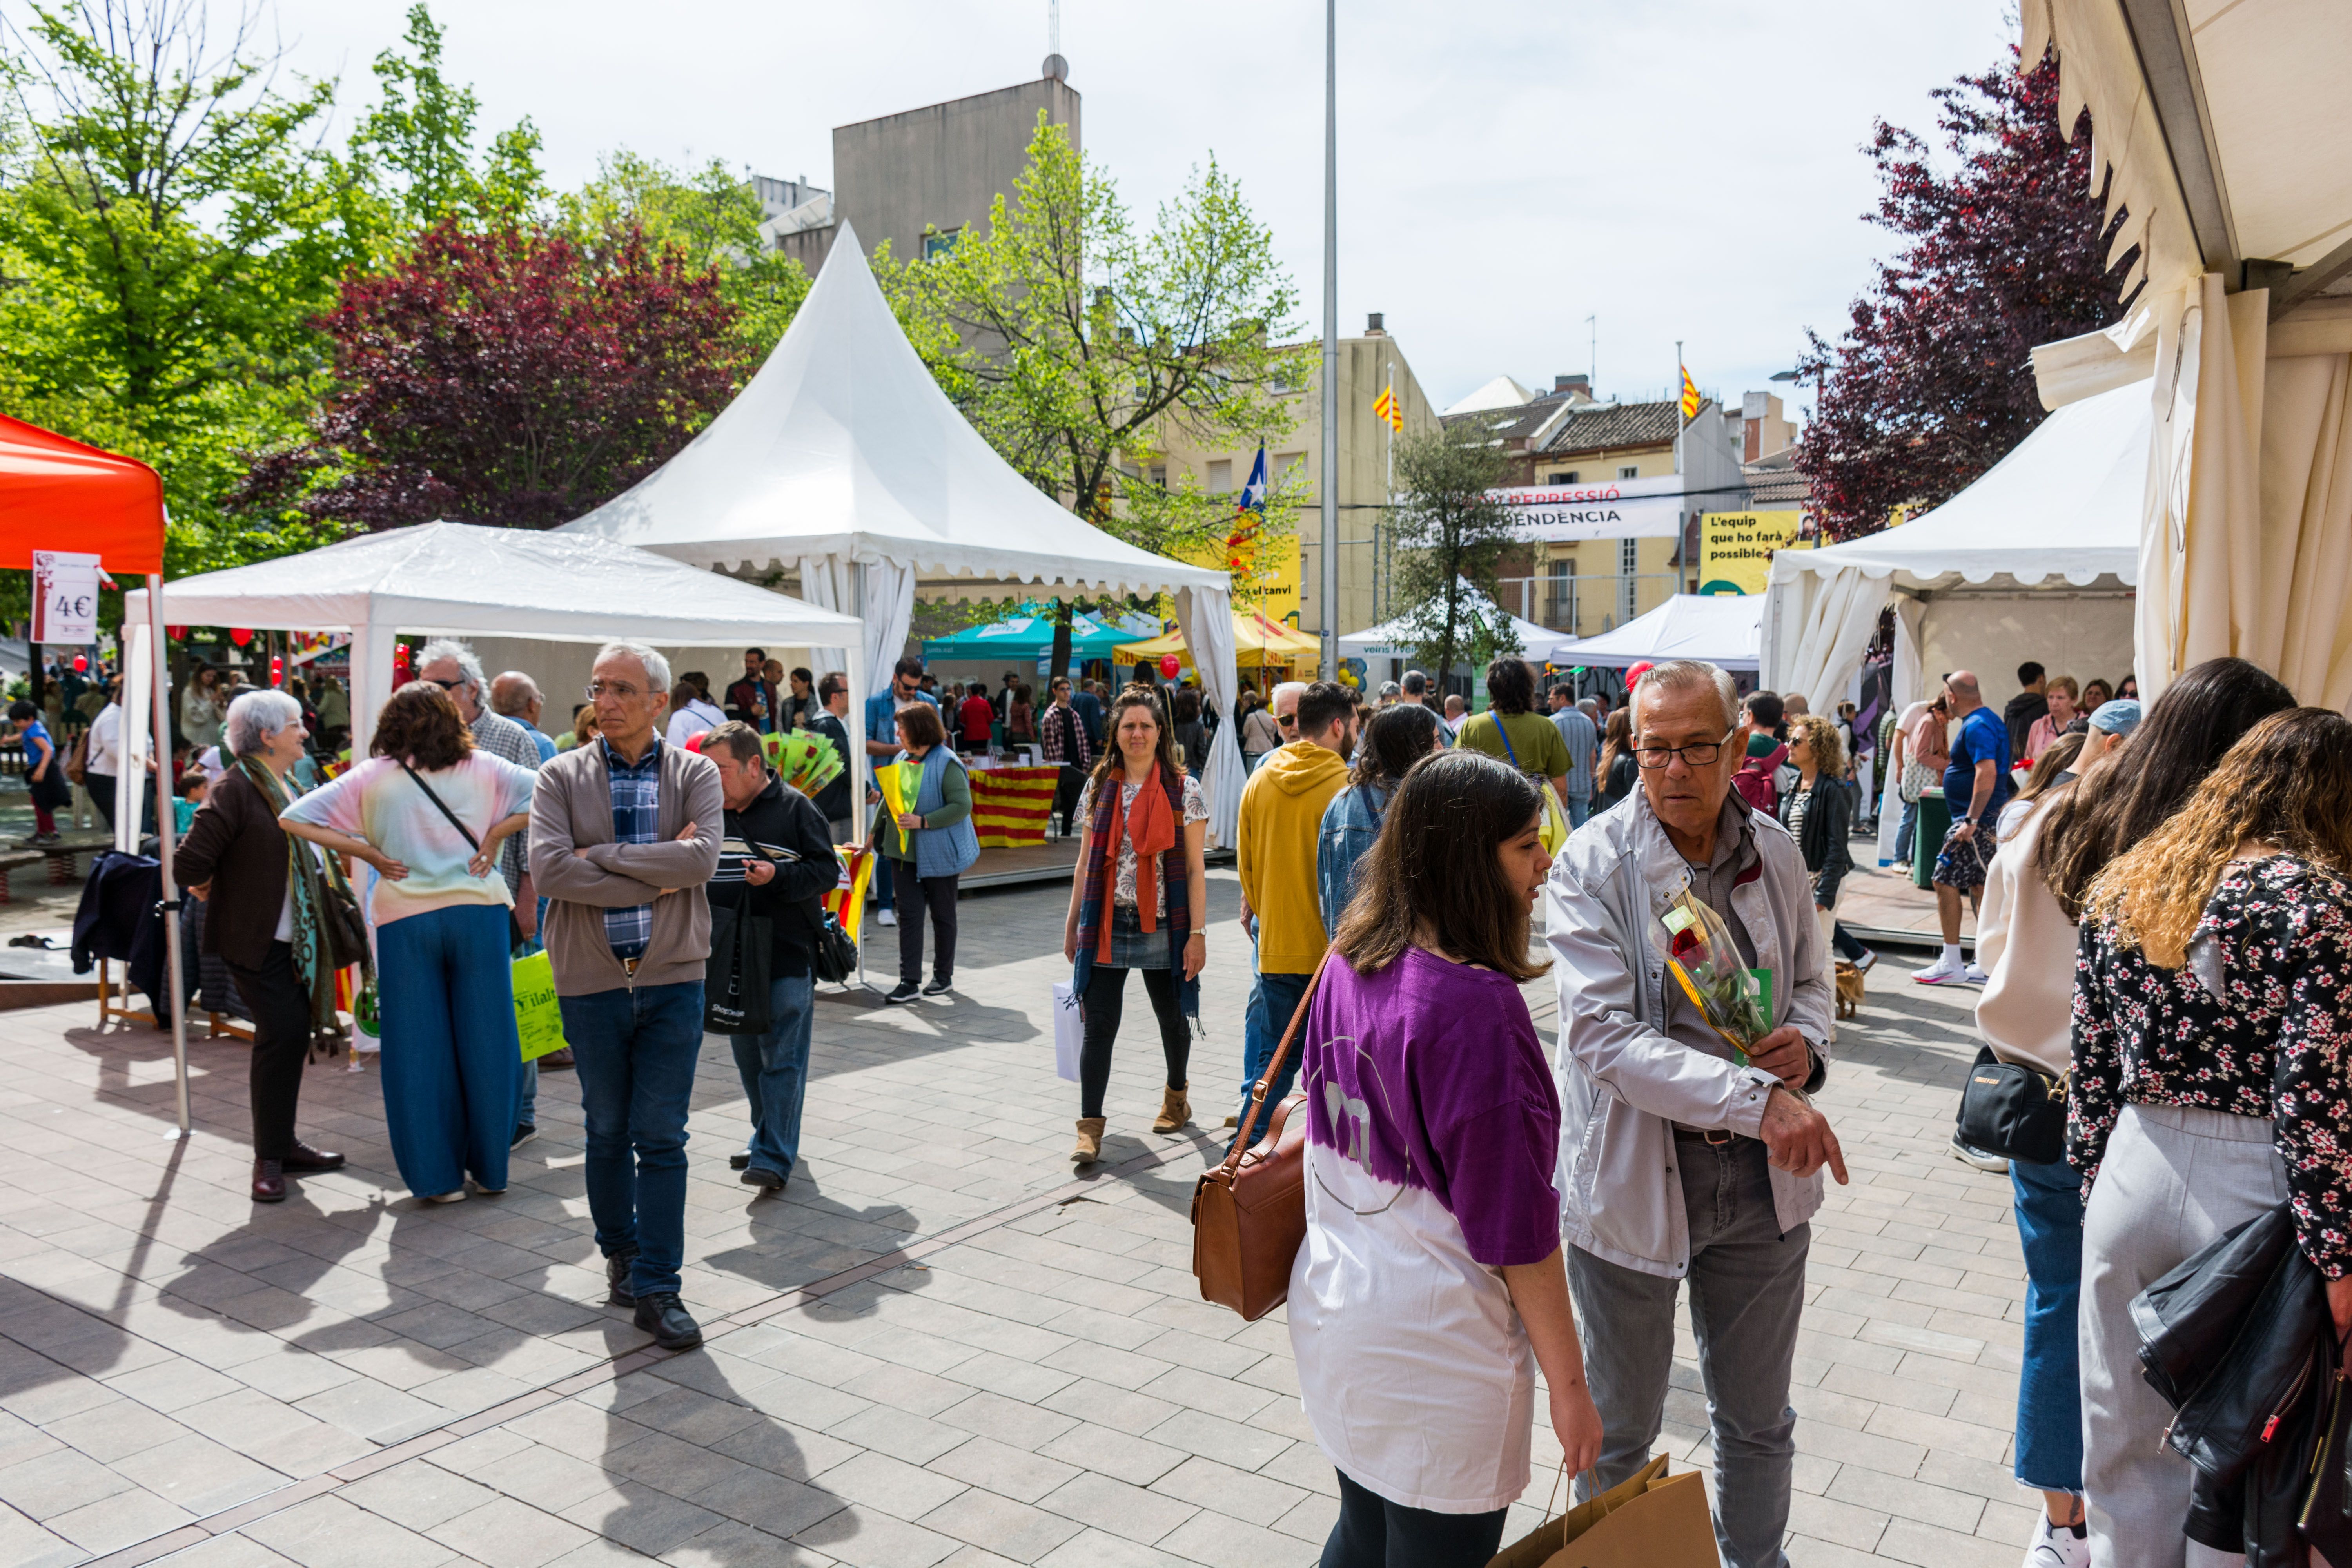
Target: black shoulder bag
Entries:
(833, 952)
(735, 990)
(514, 927)
(2014, 1110)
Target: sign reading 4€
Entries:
(65, 597)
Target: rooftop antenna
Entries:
(1057, 68)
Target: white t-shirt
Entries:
(106, 741)
(697, 717)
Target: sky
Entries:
(1685, 171)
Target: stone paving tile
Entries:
(1051, 1390)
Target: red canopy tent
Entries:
(59, 494)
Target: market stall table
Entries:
(1010, 803)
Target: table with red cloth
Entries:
(1010, 806)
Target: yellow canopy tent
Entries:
(1257, 641)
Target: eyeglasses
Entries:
(448, 685)
(1697, 754)
(620, 688)
(1288, 720)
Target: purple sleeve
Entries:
(1498, 1181)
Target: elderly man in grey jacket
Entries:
(1676, 1159)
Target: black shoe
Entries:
(269, 1182)
(737, 1162)
(672, 1326)
(617, 1276)
(522, 1135)
(301, 1159)
(907, 992)
(939, 987)
(557, 1060)
(761, 1177)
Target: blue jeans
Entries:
(1903, 832)
(527, 1106)
(451, 1052)
(635, 1050)
(2048, 1210)
(1579, 808)
(1273, 999)
(774, 1069)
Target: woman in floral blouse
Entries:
(2212, 1009)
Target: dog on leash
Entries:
(1850, 989)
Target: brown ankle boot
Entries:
(1175, 1110)
(1089, 1149)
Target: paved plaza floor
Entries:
(936, 1347)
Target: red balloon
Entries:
(240, 634)
(276, 671)
(1170, 664)
(1635, 672)
(175, 633)
(81, 663)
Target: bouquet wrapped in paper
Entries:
(808, 763)
(1705, 962)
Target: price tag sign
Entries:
(65, 597)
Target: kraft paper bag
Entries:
(1069, 1031)
(1652, 1521)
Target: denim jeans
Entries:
(1904, 831)
(1747, 1294)
(450, 1053)
(775, 1069)
(1273, 999)
(635, 1052)
(1579, 807)
(2048, 1204)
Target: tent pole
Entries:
(159, 752)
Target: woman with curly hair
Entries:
(2212, 1009)
(429, 811)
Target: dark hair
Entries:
(1765, 709)
(194, 779)
(1187, 705)
(2029, 672)
(978, 688)
(737, 739)
(834, 681)
(801, 674)
(2087, 705)
(1619, 739)
(421, 726)
(1435, 869)
(911, 665)
(919, 722)
(1113, 760)
(755, 653)
(2152, 773)
(21, 710)
(1510, 685)
(1021, 694)
(1322, 705)
(1393, 740)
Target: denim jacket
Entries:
(1350, 823)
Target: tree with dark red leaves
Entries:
(509, 378)
(2005, 248)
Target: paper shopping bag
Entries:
(1653, 1521)
(539, 1018)
(1069, 1033)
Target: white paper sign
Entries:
(1618, 509)
(65, 597)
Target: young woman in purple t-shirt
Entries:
(1431, 1285)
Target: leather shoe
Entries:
(557, 1060)
(301, 1158)
(269, 1182)
(617, 1276)
(666, 1317)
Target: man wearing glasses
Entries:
(1062, 738)
(1678, 1158)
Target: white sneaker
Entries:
(885, 917)
(2055, 1546)
(1939, 973)
(1971, 975)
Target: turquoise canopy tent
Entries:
(1029, 637)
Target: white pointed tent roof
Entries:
(844, 445)
(1500, 393)
(1724, 629)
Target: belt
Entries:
(1718, 1136)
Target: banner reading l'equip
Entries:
(1616, 509)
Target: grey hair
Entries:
(511, 693)
(468, 666)
(1388, 689)
(1588, 705)
(1415, 683)
(1280, 687)
(257, 715)
(1682, 675)
(655, 667)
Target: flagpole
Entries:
(1330, 486)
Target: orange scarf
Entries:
(1152, 828)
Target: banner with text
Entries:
(65, 597)
(1735, 548)
(1618, 509)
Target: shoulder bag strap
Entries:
(1506, 733)
(1273, 1070)
(471, 842)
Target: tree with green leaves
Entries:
(1080, 344)
(1451, 536)
(414, 150)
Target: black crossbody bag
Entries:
(514, 927)
(2014, 1110)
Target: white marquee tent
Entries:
(1397, 639)
(1721, 628)
(2035, 559)
(842, 461)
(459, 579)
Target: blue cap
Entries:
(2118, 718)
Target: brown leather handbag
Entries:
(1249, 1214)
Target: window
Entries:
(1221, 476)
(1289, 464)
(1560, 596)
(941, 242)
(1629, 470)
(1159, 477)
(1629, 566)
(1568, 477)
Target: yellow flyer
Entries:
(893, 788)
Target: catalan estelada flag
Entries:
(1691, 399)
(1249, 515)
(1385, 407)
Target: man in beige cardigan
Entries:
(620, 828)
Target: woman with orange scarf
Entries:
(1140, 901)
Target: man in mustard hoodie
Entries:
(1282, 812)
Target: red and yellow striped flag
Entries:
(1691, 399)
(1386, 409)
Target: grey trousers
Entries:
(2173, 1179)
(1747, 1290)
